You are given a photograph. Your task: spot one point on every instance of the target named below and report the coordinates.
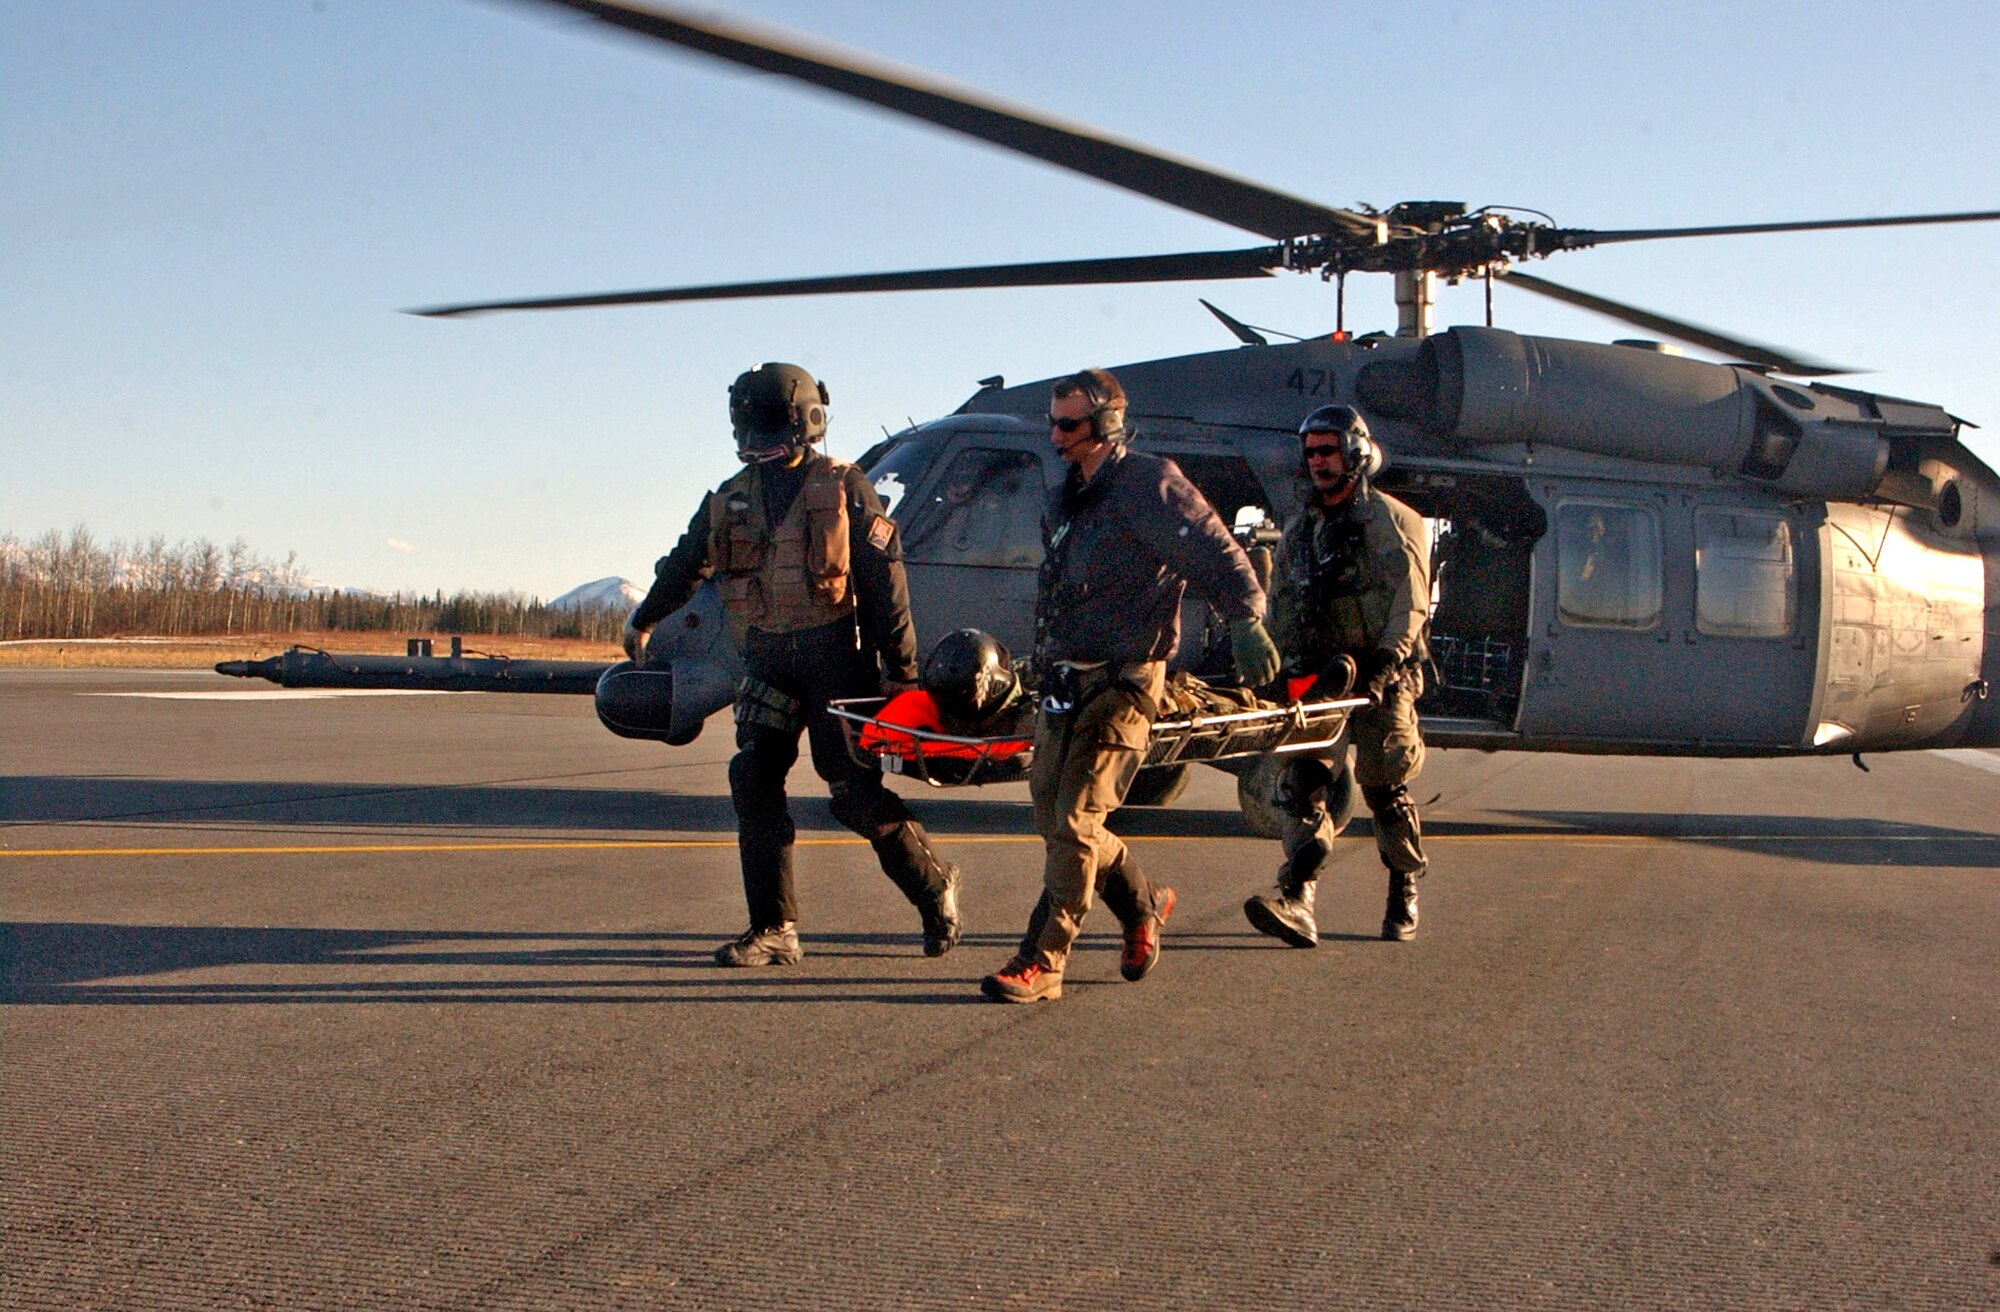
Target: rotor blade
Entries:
(1179, 182)
(1586, 237)
(1679, 329)
(1192, 266)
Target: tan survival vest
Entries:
(791, 577)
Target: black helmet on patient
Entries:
(970, 675)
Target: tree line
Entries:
(70, 585)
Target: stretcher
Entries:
(904, 736)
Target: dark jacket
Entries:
(1120, 551)
(881, 590)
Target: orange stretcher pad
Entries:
(905, 735)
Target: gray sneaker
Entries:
(776, 946)
(1287, 917)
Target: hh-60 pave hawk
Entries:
(1637, 552)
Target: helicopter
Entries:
(1635, 552)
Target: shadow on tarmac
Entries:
(235, 804)
(91, 965)
(56, 799)
(55, 963)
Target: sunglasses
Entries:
(1322, 452)
(1068, 425)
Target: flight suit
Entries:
(1355, 579)
(810, 574)
(1119, 552)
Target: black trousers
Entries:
(814, 666)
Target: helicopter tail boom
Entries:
(304, 667)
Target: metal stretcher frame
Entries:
(942, 761)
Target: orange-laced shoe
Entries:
(1023, 980)
(1142, 941)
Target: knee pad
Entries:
(1388, 799)
(1302, 787)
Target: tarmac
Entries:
(406, 1001)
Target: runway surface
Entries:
(407, 1002)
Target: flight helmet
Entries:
(775, 409)
(1359, 451)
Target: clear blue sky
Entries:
(210, 212)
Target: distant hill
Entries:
(602, 594)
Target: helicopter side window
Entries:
(985, 510)
(1608, 565)
(1746, 585)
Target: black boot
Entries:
(930, 884)
(1285, 914)
(1399, 920)
(1399, 840)
(940, 916)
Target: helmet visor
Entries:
(763, 417)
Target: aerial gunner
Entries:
(1352, 580)
(810, 574)
(1123, 536)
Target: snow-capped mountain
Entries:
(611, 593)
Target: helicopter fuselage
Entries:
(1636, 553)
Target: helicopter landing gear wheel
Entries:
(1159, 786)
(1255, 786)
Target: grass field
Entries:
(191, 653)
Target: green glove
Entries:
(1256, 658)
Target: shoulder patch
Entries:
(880, 530)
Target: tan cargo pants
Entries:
(1084, 763)
(1388, 752)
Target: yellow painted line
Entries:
(1710, 838)
(578, 845)
(605, 845)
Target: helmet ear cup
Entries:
(1360, 452)
(809, 415)
(1107, 407)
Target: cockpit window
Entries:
(899, 469)
(1608, 565)
(985, 510)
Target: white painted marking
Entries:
(275, 694)
(1972, 756)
